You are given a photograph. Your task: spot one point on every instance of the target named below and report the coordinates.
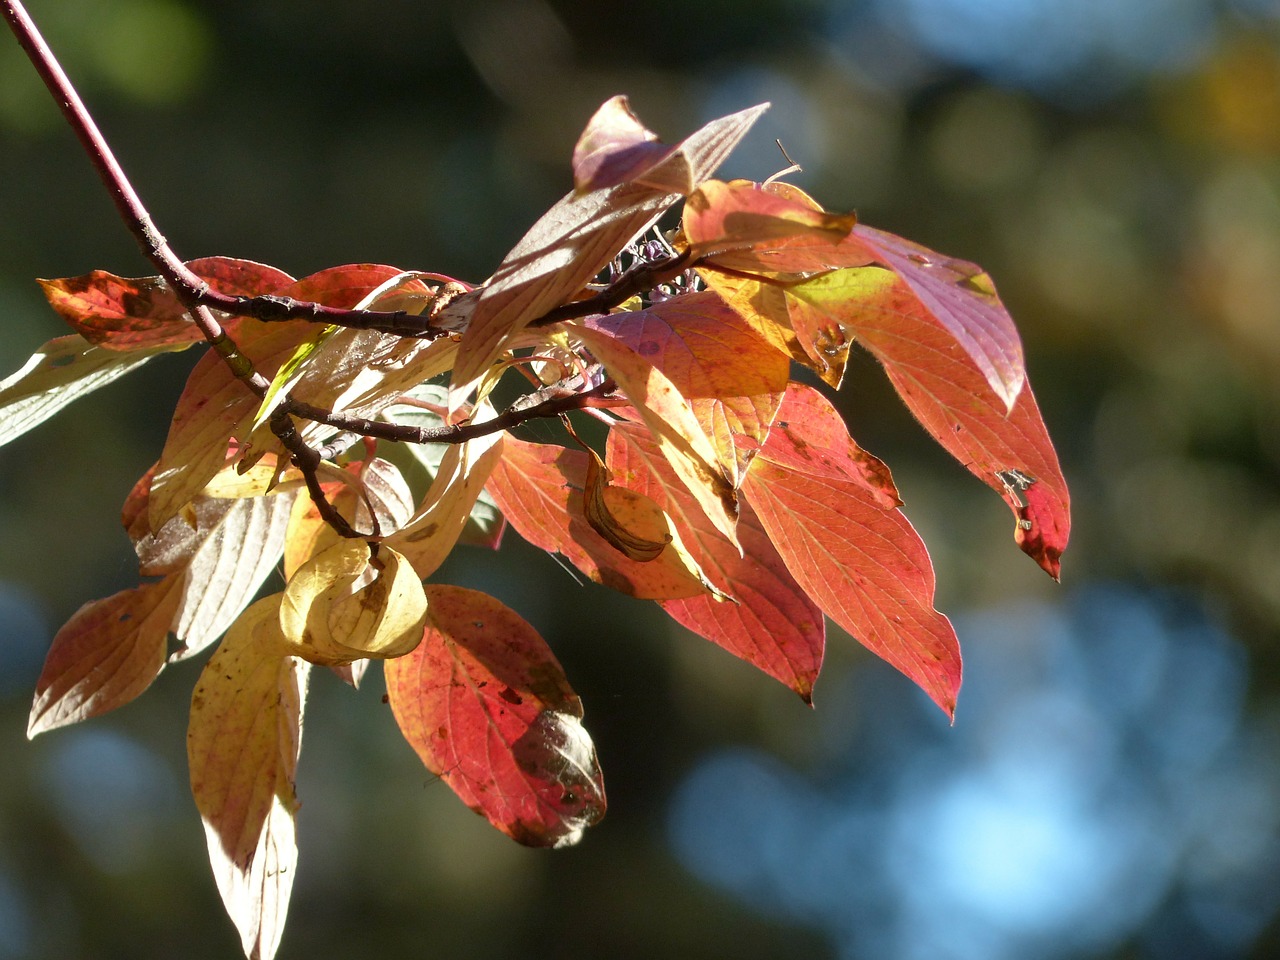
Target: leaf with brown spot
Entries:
(486, 706)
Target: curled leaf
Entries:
(353, 601)
(629, 521)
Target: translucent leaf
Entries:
(539, 488)
(243, 739)
(771, 623)
(104, 656)
(353, 601)
(673, 423)
(573, 241)
(485, 705)
(63, 370)
(829, 510)
(732, 379)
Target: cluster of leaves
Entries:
(725, 491)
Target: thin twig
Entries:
(637, 280)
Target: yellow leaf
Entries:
(242, 748)
(629, 521)
(353, 601)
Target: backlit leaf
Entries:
(1010, 451)
(243, 739)
(573, 241)
(105, 655)
(631, 522)
(63, 370)
(830, 510)
(433, 531)
(732, 379)
(539, 488)
(485, 522)
(121, 313)
(771, 623)
(668, 414)
(485, 705)
(353, 601)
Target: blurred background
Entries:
(1110, 788)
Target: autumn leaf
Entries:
(353, 601)
(629, 521)
(63, 370)
(485, 705)
(575, 239)
(770, 622)
(669, 415)
(243, 739)
(749, 227)
(830, 509)
(215, 407)
(211, 564)
(435, 528)
(485, 524)
(731, 378)
(120, 313)
(539, 488)
(956, 295)
(105, 655)
(1010, 451)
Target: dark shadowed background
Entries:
(1111, 785)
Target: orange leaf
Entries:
(732, 379)
(242, 749)
(830, 510)
(143, 313)
(1010, 451)
(771, 623)
(104, 656)
(573, 241)
(485, 704)
(673, 423)
(539, 488)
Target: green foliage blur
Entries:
(1134, 234)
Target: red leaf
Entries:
(962, 299)
(485, 704)
(772, 624)
(105, 655)
(1010, 451)
(539, 489)
(126, 314)
(829, 509)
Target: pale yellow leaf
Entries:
(243, 740)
